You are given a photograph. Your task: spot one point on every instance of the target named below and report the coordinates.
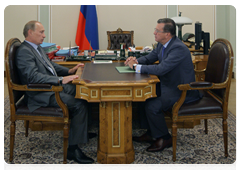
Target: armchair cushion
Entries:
(207, 105)
(22, 109)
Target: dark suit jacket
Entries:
(32, 69)
(174, 68)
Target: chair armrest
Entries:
(193, 86)
(203, 85)
(39, 86)
(36, 87)
(44, 88)
(200, 84)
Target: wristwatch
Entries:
(60, 79)
(134, 66)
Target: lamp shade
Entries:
(182, 20)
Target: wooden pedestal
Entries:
(115, 137)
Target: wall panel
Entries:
(64, 20)
(15, 17)
(202, 13)
(142, 19)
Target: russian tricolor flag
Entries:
(87, 30)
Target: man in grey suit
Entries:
(35, 67)
(175, 67)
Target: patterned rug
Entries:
(193, 145)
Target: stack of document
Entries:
(66, 52)
(48, 47)
(147, 48)
(72, 47)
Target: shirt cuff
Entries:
(138, 68)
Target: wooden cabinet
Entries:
(200, 63)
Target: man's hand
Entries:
(130, 61)
(67, 79)
(74, 69)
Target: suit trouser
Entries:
(151, 115)
(78, 113)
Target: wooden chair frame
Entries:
(204, 86)
(39, 87)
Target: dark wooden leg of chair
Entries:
(225, 136)
(65, 142)
(26, 127)
(174, 140)
(12, 137)
(206, 126)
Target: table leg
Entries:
(115, 133)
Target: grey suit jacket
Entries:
(32, 69)
(174, 68)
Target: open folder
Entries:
(125, 69)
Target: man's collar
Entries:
(35, 46)
(166, 44)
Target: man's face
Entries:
(37, 36)
(160, 36)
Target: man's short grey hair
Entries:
(29, 26)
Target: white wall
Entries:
(205, 14)
(15, 17)
(141, 19)
(64, 24)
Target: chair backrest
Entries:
(219, 66)
(119, 36)
(11, 69)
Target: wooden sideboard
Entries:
(200, 63)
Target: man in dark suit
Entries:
(175, 67)
(35, 67)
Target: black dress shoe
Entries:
(144, 138)
(78, 156)
(159, 145)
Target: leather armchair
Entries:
(119, 36)
(19, 110)
(215, 89)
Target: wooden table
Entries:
(115, 93)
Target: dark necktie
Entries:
(50, 67)
(163, 48)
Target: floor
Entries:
(231, 102)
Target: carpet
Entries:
(193, 145)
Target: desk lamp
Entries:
(180, 21)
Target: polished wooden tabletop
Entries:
(115, 93)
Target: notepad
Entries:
(125, 69)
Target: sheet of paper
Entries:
(102, 61)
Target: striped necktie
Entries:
(49, 65)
